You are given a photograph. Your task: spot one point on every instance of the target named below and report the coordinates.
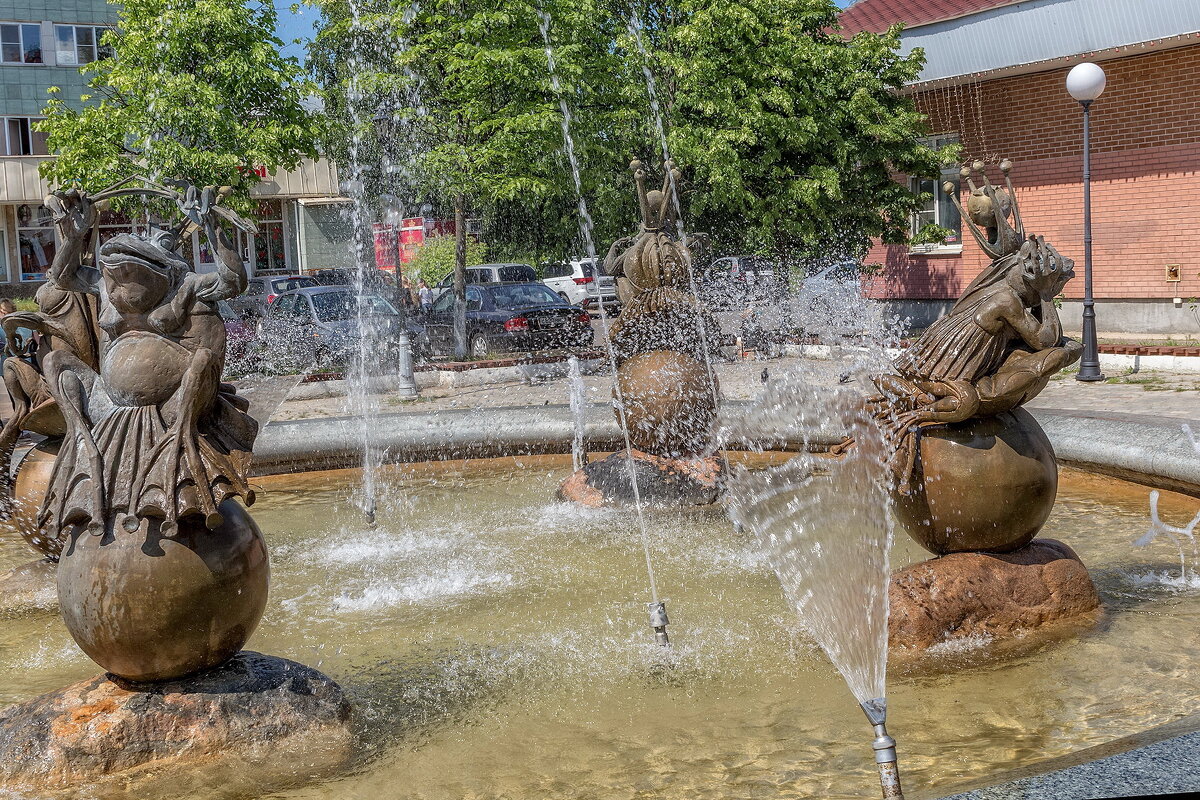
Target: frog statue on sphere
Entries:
(965, 379)
(162, 572)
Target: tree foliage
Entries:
(197, 89)
(435, 259)
(788, 134)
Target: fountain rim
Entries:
(1151, 451)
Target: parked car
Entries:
(740, 280)
(318, 326)
(508, 317)
(491, 273)
(374, 278)
(262, 291)
(241, 331)
(577, 283)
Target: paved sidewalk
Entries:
(1158, 394)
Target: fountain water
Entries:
(578, 402)
(656, 607)
(826, 528)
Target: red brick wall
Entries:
(1145, 172)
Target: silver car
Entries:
(318, 328)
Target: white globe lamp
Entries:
(1086, 82)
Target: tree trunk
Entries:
(460, 278)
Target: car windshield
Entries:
(335, 306)
(288, 284)
(522, 295)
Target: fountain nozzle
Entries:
(885, 749)
(659, 621)
(369, 513)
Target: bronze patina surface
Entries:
(665, 393)
(987, 484)
(996, 349)
(162, 572)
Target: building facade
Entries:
(994, 82)
(300, 214)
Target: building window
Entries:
(36, 243)
(80, 44)
(268, 242)
(20, 43)
(20, 139)
(938, 212)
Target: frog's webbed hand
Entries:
(614, 262)
(229, 279)
(74, 215)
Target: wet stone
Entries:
(255, 724)
(660, 481)
(989, 596)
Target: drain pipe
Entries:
(659, 621)
(885, 749)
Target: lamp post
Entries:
(406, 384)
(1085, 82)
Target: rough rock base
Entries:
(29, 589)
(660, 481)
(253, 725)
(989, 596)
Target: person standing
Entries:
(425, 295)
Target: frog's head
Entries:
(140, 272)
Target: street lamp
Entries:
(406, 385)
(1086, 82)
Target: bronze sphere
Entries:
(985, 484)
(148, 608)
(29, 488)
(669, 404)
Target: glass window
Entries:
(20, 139)
(444, 303)
(268, 242)
(533, 294)
(21, 44)
(80, 44)
(36, 242)
(519, 272)
(938, 207)
(474, 299)
(334, 306)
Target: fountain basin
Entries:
(495, 641)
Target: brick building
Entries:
(42, 44)
(994, 81)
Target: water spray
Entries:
(885, 748)
(659, 621)
(658, 611)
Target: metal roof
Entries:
(1034, 31)
(877, 16)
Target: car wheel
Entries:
(479, 346)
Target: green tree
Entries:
(789, 134)
(434, 260)
(197, 90)
(465, 85)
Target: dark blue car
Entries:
(509, 317)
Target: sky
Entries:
(300, 26)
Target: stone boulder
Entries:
(254, 725)
(660, 481)
(989, 596)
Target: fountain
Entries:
(975, 477)
(664, 390)
(162, 574)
